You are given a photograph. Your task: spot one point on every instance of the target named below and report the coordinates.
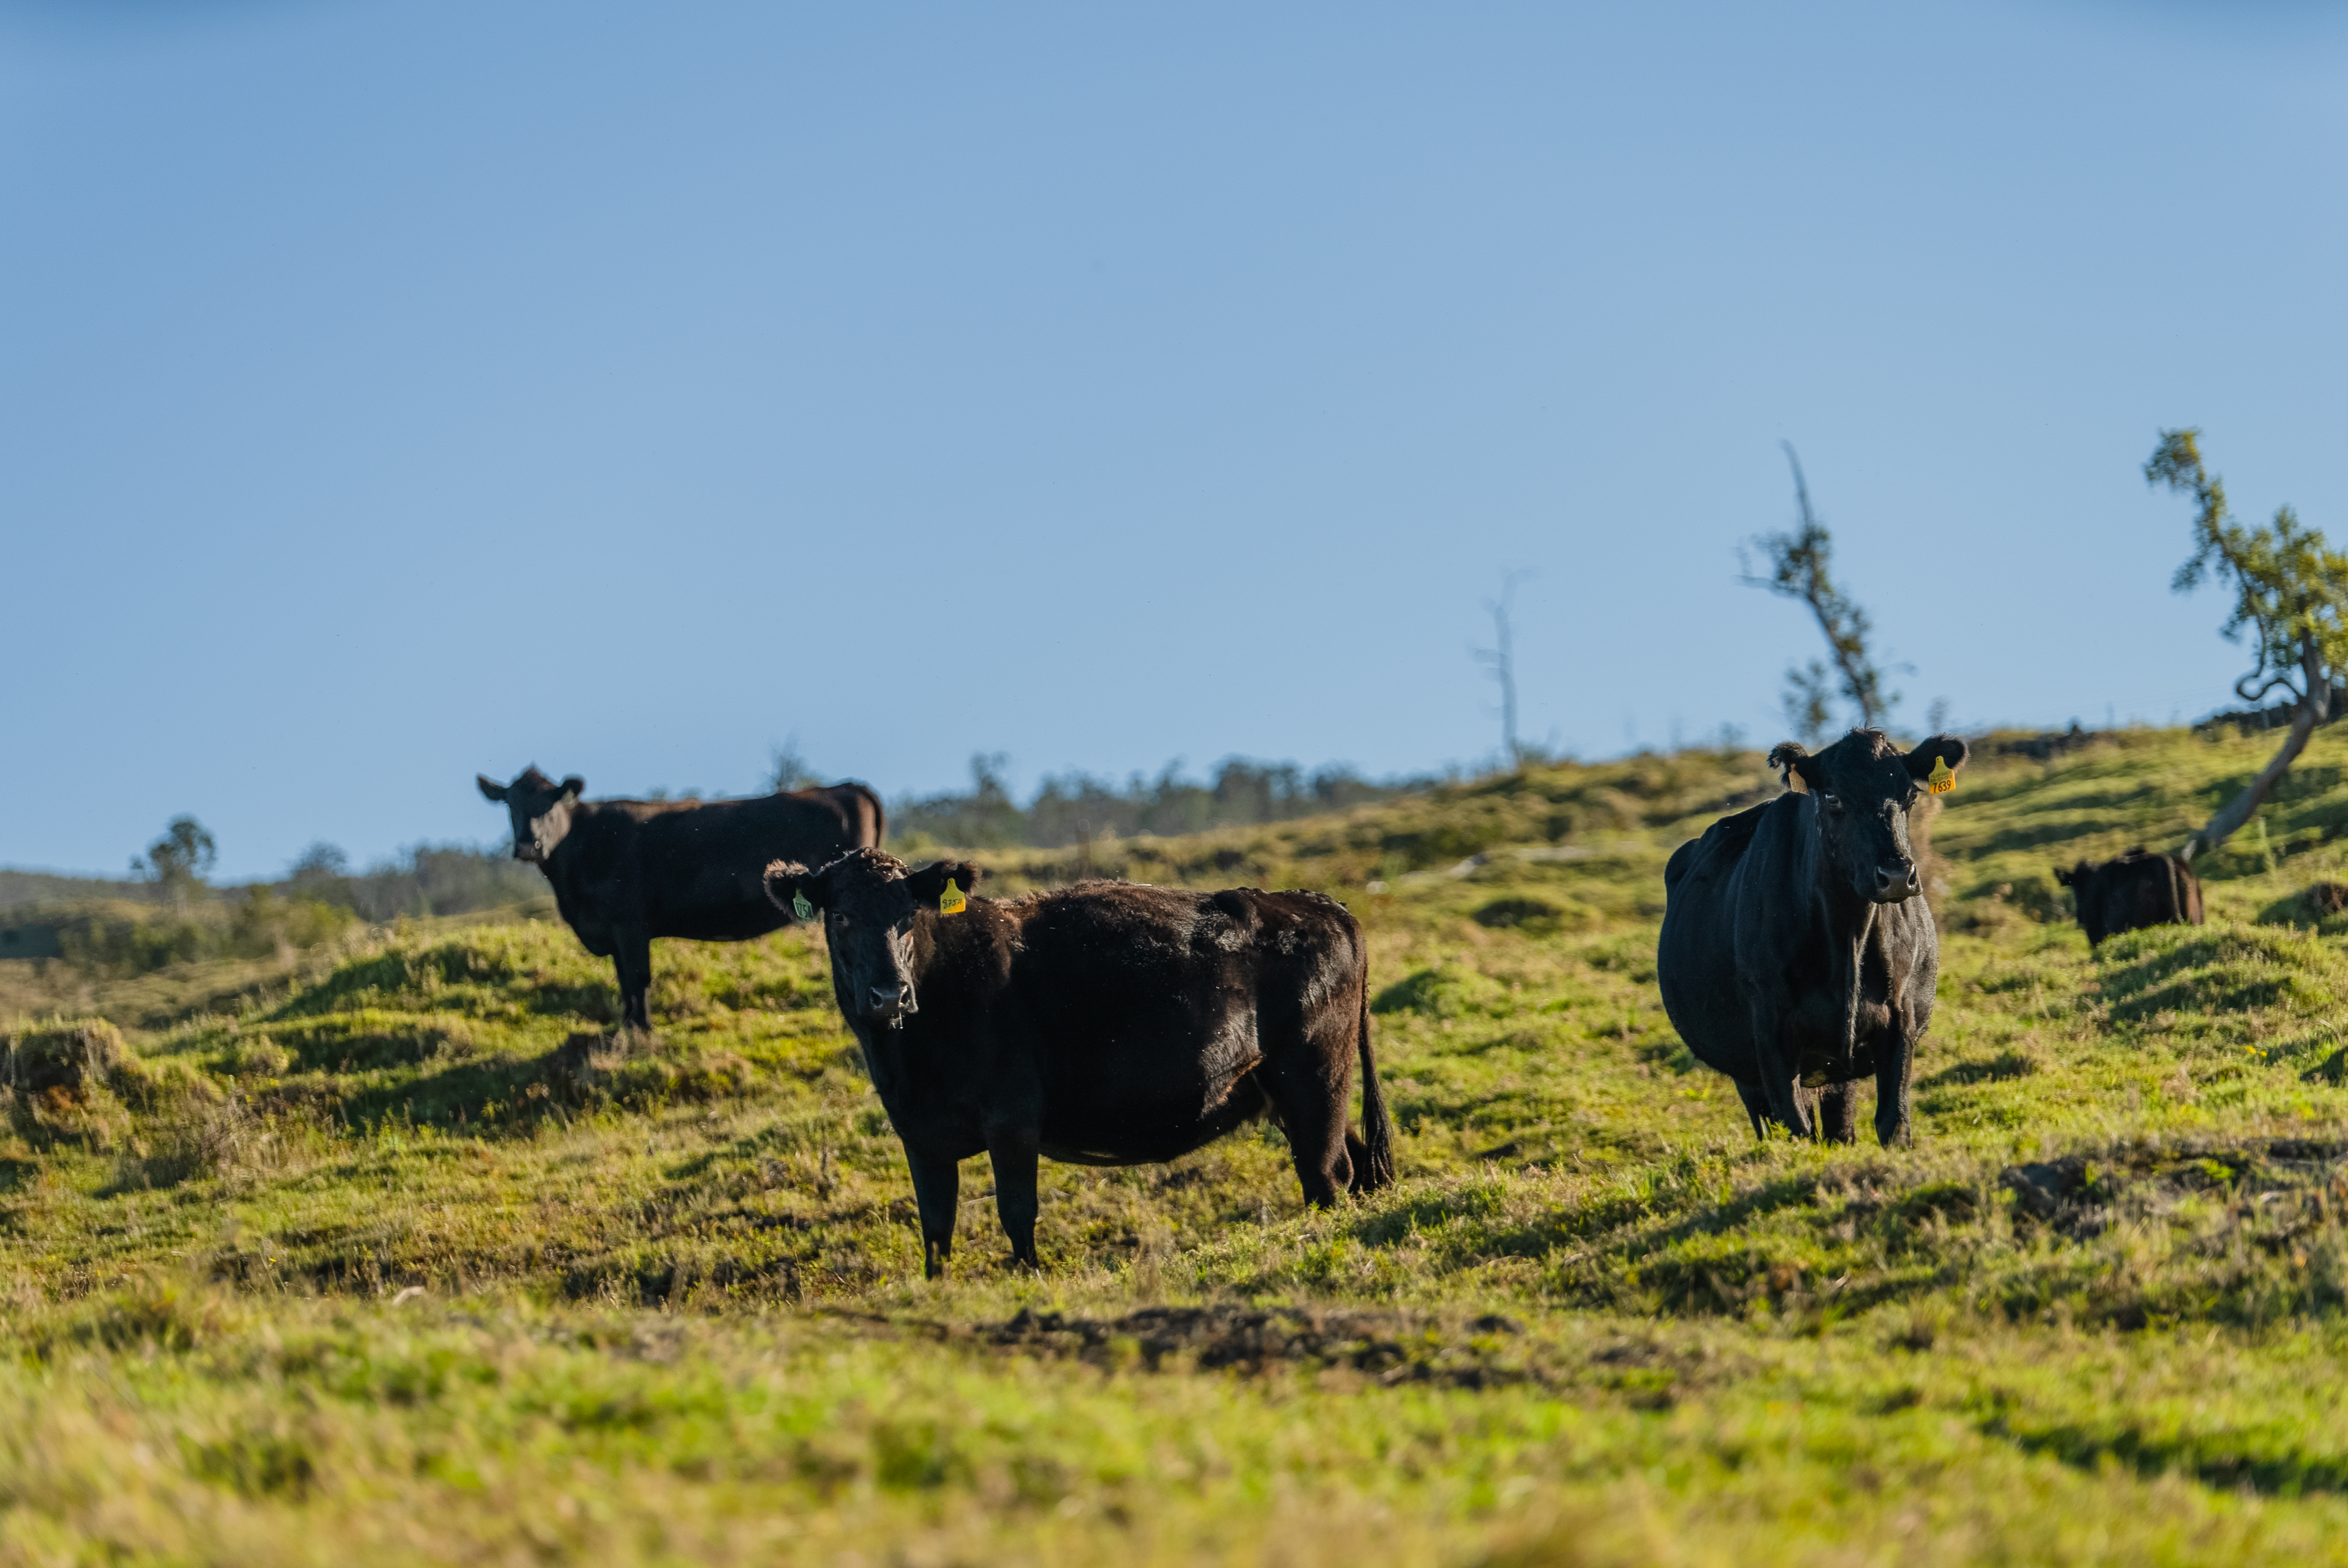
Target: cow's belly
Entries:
(736, 920)
(1134, 1101)
(1145, 1134)
(1814, 1039)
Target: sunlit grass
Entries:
(399, 1252)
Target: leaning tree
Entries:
(2291, 594)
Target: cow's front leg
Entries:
(1780, 1069)
(1013, 1154)
(937, 1188)
(632, 957)
(1895, 1064)
(1837, 1112)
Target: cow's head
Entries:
(1864, 786)
(539, 807)
(870, 901)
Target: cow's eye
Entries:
(1828, 797)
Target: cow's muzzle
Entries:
(893, 1004)
(528, 852)
(1897, 883)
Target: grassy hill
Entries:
(390, 1252)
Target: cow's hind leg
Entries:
(1014, 1157)
(1310, 1101)
(633, 960)
(937, 1189)
(1780, 1083)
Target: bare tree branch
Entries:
(1502, 660)
(1799, 569)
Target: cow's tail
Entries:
(1377, 1128)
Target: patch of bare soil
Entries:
(1389, 1348)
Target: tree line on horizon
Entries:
(1077, 807)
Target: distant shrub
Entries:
(442, 879)
(257, 924)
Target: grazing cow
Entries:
(2139, 889)
(1797, 956)
(1104, 1024)
(625, 871)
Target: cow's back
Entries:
(1143, 997)
(701, 865)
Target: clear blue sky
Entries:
(390, 392)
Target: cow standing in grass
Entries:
(1103, 1024)
(626, 871)
(2136, 890)
(1798, 955)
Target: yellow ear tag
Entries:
(1942, 778)
(951, 901)
(801, 907)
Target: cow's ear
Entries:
(787, 882)
(929, 882)
(1949, 749)
(1791, 761)
(574, 786)
(490, 787)
(2061, 878)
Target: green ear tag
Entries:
(951, 901)
(801, 907)
(1942, 778)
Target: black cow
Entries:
(1796, 955)
(625, 871)
(2139, 889)
(1105, 1024)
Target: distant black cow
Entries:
(1795, 954)
(625, 871)
(2139, 889)
(1104, 1024)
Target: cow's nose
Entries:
(1894, 882)
(894, 1002)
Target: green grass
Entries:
(394, 1252)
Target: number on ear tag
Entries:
(951, 901)
(1942, 778)
(801, 907)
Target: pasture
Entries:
(391, 1251)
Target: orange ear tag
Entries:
(951, 901)
(1942, 778)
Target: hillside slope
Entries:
(396, 1253)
